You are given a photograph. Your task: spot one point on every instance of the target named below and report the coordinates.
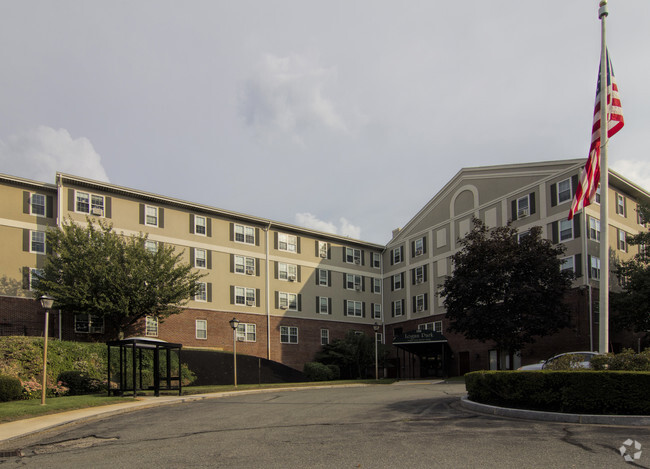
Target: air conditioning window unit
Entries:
(357, 261)
(420, 308)
(357, 288)
(323, 254)
(250, 303)
(420, 280)
(418, 252)
(99, 212)
(292, 278)
(284, 307)
(522, 212)
(250, 271)
(240, 339)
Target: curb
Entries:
(26, 427)
(587, 419)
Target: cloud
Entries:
(637, 171)
(285, 96)
(345, 228)
(39, 153)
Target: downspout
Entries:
(59, 209)
(268, 300)
(586, 278)
(383, 309)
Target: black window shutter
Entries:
(232, 294)
(424, 244)
(108, 207)
(576, 225)
(578, 265)
(555, 230)
(141, 214)
(363, 309)
(49, 208)
(317, 251)
(232, 263)
(161, 217)
(588, 266)
(298, 244)
(277, 300)
(317, 276)
(426, 268)
(298, 274)
(191, 223)
(257, 236)
(26, 239)
(329, 278)
(413, 304)
(299, 302)
(574, 184)
(392, 309)
(26, 202)
(26, 282)
(192, 257)
(276, 269)
(209, 261)
(531, 200)
(209, 288)
(345, 307)
(553, 195)
(363, 283)
(329, 306)
(317, 304)
(426, 302)
(363, 257)
(412, 276)
(208, 229)
(257, 267)
(71, 200)
(392, 283)
(345, 257)
(514, 210)
(392, 257)
(257, 297)
(412, 248)
(232, 232)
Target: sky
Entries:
(341, 116)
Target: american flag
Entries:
(590, 177)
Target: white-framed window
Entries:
(419, 274)
(620, 204)
(151, 326)
(376, 285)
(323, 305)
(564, 190)
(419, 303)
(354, 308)
(201, 329)
(37, 244)
(246, 332)
(523, 206)
(88, 324)
(397, 282)
(376, 260)
(200, 258)
(244, 296)
(376, 311)
(200, 224)
(437, 326)
(150, 215)
(288, 301)
(522, 235)
(287, 242)
(92, 204)
(288, 335)
(151, 246)
(353, 256)
(567, 264)
(622, 240)
(37, 204)
(597, 198)
(202, 293)
(324, 336)
(594, 229)
(418, 247)
(379, 337)
(244, 234)
(427, 326)
(594, 268)
(397, 308)
(396, 255)
(323, 277)
(322, 249)
(34, 276)
(287, 272)
(353, 282)
(566, 230)
(244, 265)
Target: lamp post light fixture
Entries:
(46, 303)
(375, 327)
(234, 323)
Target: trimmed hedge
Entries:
(577, 392)
(315, 371)
(10, 388)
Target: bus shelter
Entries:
(139, 364)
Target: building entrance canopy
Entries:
(420, 342)
(430, 347)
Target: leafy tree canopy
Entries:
(354, 355)
(92, 269)
(631, 306)
(506, 288)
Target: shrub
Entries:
(315, 371)
(566, 362)
(79, 382)
(627, 360)
(335, 370)
(10, 388)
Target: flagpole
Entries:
(604, 190)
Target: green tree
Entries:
(506, 288)
(92, 269)
(354, 355)
(631, 306)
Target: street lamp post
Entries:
(46, 303)
(234, 322)
(375, 326)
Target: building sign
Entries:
(420, 336)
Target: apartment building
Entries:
(294, 289)
(417, 259)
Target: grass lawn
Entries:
(16, 410)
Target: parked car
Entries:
(586, 363)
